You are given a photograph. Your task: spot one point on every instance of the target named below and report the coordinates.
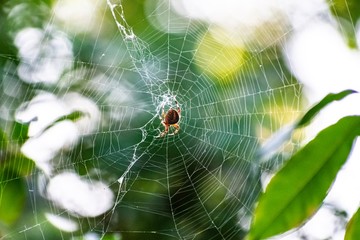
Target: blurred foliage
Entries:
(347, 13)
(12, 195)
(347, 9)
(101, 63)
(251, 99)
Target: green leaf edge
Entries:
(285, 133)
(253, 234)
(353, 227)
(331, 97)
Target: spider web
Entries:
(201, 183)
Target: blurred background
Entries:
(83, 85)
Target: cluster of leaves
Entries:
(297, 191)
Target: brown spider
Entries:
(171, 118)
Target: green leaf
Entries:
(298, 189)
(323, 103)
(12, 197)
(353, 227)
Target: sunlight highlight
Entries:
(45, 55)
(62, 223)
(78, 15)
(218, 60)
(256, 24)
(82, 197)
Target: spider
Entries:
(171, 118)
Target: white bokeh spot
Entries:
(82, 197)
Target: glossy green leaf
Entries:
(323, 103)
(353, 227)
(298, 189)
(12, 197)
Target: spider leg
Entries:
(166, 130)
(177, 105)
(177, 128)
(162, 113)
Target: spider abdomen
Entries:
(172, 117)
